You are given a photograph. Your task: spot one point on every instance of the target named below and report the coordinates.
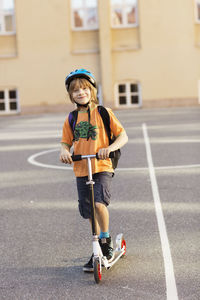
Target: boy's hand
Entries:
(65, 156)
(104, 153)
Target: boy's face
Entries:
(81, 95)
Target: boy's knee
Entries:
(99, 206)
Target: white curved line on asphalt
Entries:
(32, 160)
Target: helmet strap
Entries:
(82, 105)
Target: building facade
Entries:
(142, 53)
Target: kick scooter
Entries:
(98, 259)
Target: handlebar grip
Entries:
(76, 157)
(80, 157)
(111, 155)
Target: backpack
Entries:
(106, 121)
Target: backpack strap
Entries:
(72, 119)
(106, 121)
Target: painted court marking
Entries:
(32, 160)
(171, 289)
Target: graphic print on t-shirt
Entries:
(85, 130)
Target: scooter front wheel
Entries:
(97, 270)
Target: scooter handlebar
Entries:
(111, 155)
(80, 157)
(76, 157)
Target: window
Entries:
(197, 11)
(84, 14)
(7, 17)
(128, 94)
(8, 101)
(124, 13)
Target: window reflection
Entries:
(85, 14)
(78, 21)
(91, 17)
(77, 3)
(91, 3)
(131, 19)
(125, 2)
(8, 4)
(124, 12)
(116, 2)
(9, 23)
(117, 17)
(131, 2)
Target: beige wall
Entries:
(162, 53)
(168, 48)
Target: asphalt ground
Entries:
(155, 203)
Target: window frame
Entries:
(124, 24)
(3, 14)
(197, 16)
(84, 27)
(128, 94)
(7, 100)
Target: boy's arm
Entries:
(120, 141)
(65, 155)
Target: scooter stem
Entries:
(89, 170)
(90, 182)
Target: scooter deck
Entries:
(118, 254)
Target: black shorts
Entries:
(101, 192)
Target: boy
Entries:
(90, 137)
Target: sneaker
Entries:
(107, 248)
(89, 266)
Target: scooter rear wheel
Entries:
(97, 271)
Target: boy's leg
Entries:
(102, 216)
(105, 240)
(102, 197)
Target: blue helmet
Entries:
(80, 73)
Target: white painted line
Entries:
(32, 160)
(171, 289)
(179, 208)
(30, 135)
(177, 167)
(170, 140)
(27, 147)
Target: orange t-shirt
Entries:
(97, 139)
